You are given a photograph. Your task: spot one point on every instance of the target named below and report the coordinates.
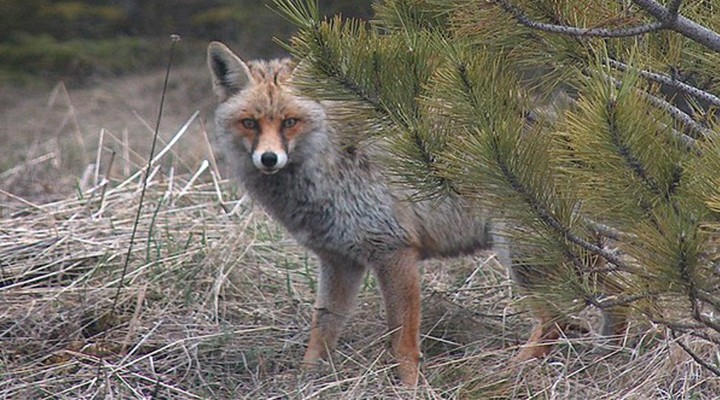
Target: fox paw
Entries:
(532, 351)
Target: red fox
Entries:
(335, 200)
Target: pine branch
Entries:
(619, 301)
(664, 22)
(667, 18)
(365, 86)
(330, 69)
(693, 293)
(631, 161)
(680, 116)
(549, 220)
(522, 18)
(540, 209)
(670, 18)
(674, 7)
(305, 14)
(669, 81)
(676, 113)
(606, 230)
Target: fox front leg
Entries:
(339, 282)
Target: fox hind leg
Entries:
(550, 323)
(549, 327)
(399, 281)
(338, 286)
(547, 330)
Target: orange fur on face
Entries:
(292, 132)
(270, 137)
(269, 134)
(270, 104)
(247, 135)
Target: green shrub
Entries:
(78, 58)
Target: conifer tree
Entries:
(590, 127)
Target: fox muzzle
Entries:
(269, 162)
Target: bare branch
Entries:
(520, 16)
(678, 23)
(613, 302)
(670, 81)
(696, 295)
(715, 370)
(606, 230)
(667, 18)
(676, 113)
(674, 7)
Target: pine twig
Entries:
(522, 18)
(542, 213)
(674, 7)
(628, 156)
(606, 230)
(676, 113)
(676, 22)
(667, 18)
(548, 218)
(669, 81)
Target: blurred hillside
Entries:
(79, 39)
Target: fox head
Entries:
(258, 110)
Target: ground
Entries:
(215, 301)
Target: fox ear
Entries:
(229, 73)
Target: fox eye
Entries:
(248, 123)
(289, 122)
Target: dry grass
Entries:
(217, 299)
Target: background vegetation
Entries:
(76, 39)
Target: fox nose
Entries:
(269, 159)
